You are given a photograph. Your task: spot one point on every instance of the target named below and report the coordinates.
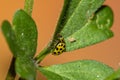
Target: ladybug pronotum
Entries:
(59, 47)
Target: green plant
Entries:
(82, 23)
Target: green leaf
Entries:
(10, 38)
(114, 76)
(75, 15)
(83, 23)
(25, 68)
(22, 40)
(26, 39)
(77, 70)
(96, 30)
(25, 32)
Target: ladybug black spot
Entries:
(60, 48)
(58, 52)
(54, 53)
(56, 48)
(61, 44)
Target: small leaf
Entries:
(77, 70)
(114, 76)
(10, 37)
(28, 6)
(25, 32)
(25, 68)
(96, 30)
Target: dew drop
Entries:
(98, 76)
(108, 22)
(22, 34)
(23, 48)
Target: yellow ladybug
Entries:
(59, 47)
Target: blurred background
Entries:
(46, 14)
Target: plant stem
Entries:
(28, 6)
(42, 55)
(11, 72)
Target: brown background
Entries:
(46, 13)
